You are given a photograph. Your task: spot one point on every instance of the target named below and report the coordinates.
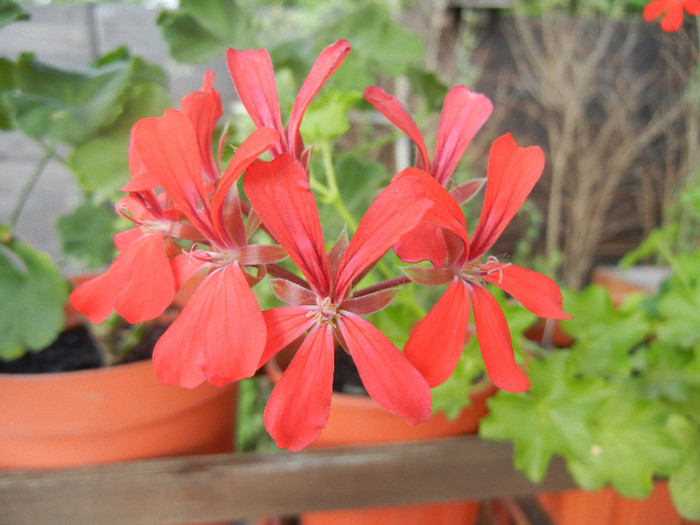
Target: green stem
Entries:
(333, 195)
(29, 186)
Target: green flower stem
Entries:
(29, 186)
(333, 195)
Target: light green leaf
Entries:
(630, 444)
(550, 418)
(34, 294)
(684, 484)
(327, 117)
(101, 165)
(604, 335)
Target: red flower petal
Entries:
(536, 292)
(204, 109)
(300, 403)
(254, 79)
(437, 341)
(424, 242)
(139, 284)
(233, 350)
(219, 335)
(280, 194)
(512, 173)
(673, 20)
(396, 210)
(151, 286)
(392, 109)
(169, 152)
(494, 342)
(326, 64)
(390, 379)
(463, 114)
(692, 7)
(284, 325)
(140, 179)
(655, 9)
(257, 143)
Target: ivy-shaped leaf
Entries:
(630, 444)
(34, 294)
(604, 335)
(684, 483)
(549, 419)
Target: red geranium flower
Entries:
(463, 114)
(671, 12)
(512, 172)
(254, 79)
(299, 405)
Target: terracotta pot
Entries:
(621, 283)
(359, 419)
(607, 507)
(107, 415)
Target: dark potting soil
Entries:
(73, 350)
(346, 378)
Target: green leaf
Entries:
(34, 294)
(680, 309)
(428, 86)
(11, 12)
(327, 117)
(550, 418)
(101, 164)
(201, 30)
(380, 47)
(86, 234)
(630, 444)
(72, 106)
(604, 335)
(684, 484)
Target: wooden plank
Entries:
(239, 486)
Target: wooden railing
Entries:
(243, 486)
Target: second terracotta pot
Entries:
(360, 420)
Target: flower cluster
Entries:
(192, 222)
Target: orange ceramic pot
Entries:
(607, 507)
(359, 419)
(106, 415)
(110, 414)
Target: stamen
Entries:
(327, 312)
(492, 259)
